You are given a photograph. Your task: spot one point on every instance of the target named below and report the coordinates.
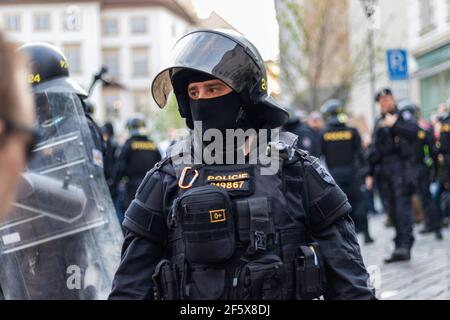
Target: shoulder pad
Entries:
(326, 201)
(145, 215)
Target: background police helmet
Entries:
(382, 93)
(408, 109)
(229, 57)
(137, 126)
(49, 69)
(334, 110)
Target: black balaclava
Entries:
(224, 112)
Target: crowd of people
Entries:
(405, 158)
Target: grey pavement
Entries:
(426, 276)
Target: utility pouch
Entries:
(205, 217)
(205, 283)
(308, 274)
(166, 280)
(260, 279)
(255, 224)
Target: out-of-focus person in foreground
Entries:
(16, 122)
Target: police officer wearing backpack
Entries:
(138, 155)
(390, 155)
(343, 154)
(213, 231)
(424, 164)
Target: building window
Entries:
(113, 104)
(12, 22)
(142, 102)
(42, 22)
(111, 61)
(138, 25)
(110, 27)
(426, 16)
(73, 55)
(140, 61)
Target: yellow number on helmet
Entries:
(264, 84)
(33, 78)
(64, 64)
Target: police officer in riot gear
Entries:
(343, 154)
(307, 139)
(206, 230)
(49, 67)
(390, 157)
(66, 238)
(138, 155)
(424, 164)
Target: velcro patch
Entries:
(217, 215)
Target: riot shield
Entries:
(62, 239)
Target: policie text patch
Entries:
(236, 182)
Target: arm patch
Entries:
(327, 202)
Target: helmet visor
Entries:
(211, 53)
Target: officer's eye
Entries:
(193, 93)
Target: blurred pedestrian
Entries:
(16, 122)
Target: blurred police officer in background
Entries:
(138, 155)
(390, 155)
(229, 231)
(17, 115)
(343, 154)
(110, 154)
(307, 139)
(444, 152)
(424, 166)
(316, 123)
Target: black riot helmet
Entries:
(229, 57)
(407, 106)
(333, 110)
(49, 69)
(137, 126)
(383, 93)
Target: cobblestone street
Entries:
(426, 276)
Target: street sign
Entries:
(397, 61)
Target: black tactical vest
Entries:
(339, 146)
(445, 137)
(237, 234)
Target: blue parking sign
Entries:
(397, 61)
